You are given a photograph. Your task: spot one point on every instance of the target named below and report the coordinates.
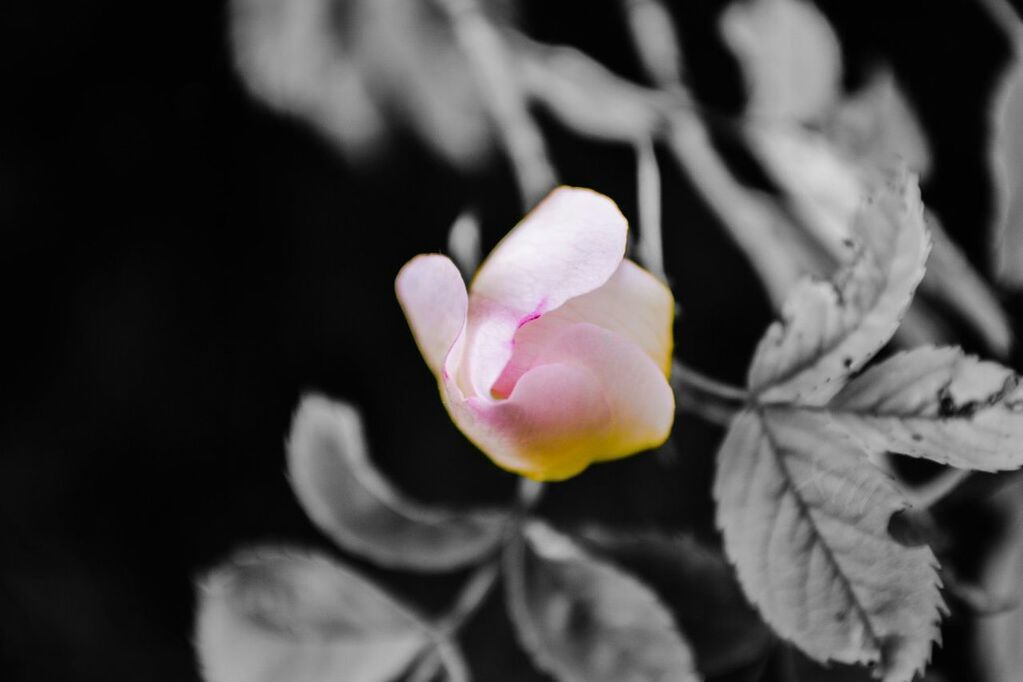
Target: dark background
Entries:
(178, 265)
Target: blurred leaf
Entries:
(657, 45)
(355, 68)
(951, 279)
(1006, 154)
(829, 330)
(583, 620)
(584, 94)
(805, 519)
(723, 630)
(822, 186)
(940, 404)
(999, 637)
(826, 188)
(877, 123)
(351, 502)
(790, 56)
(274, 614)
(289, 57)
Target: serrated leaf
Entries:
(1006, 158)
(349, 500)
(789, 54)
(940, 404)
(582, 620)
(723, 630)
(275, 614)
(825, 188)
(829, 330)
(805, 520)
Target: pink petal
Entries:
(548, 430)
(433, 297)
(633, 304)
(555, 422)
(571, 243)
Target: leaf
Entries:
(289, 59)
(829, 330)
(805, 519)
(358, 69)
(352, 503)
(723, 630)
(877, 123)
(583, 620)
(952, 279)
(590, 98)
(275, 614)
(1006, 158)
(790, 56)
(824, 188)
(940, 404)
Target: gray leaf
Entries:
(582, 620)
(830, 329)
(351, 502)
(805, 519)
(940, 404)
(274, 614)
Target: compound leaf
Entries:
(805, 520)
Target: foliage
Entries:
(860, 365)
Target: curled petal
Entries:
(570, 244)
(555, 422)
(433, 297)
(633, 303)
(548, 429)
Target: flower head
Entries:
(558, 354)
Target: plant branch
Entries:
(687, 376)
(649, 248)
(930, 493)
(489, 61)
(705, 397)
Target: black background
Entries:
(178, 265)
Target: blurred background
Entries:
(193, 237)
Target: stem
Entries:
(488, 59)
(649, 249)
(708, 398)
(755, 222)
(975, 485)
(927, 495)
(687, 376)
(472, 596)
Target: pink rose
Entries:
(558, 354)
